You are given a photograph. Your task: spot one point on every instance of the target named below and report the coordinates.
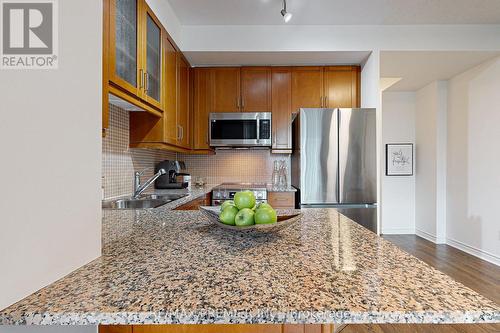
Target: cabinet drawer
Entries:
(281, 199)
(196, 203)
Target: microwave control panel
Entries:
(265, 129)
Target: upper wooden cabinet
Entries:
(342, 87)
(255, 89)
(134, 54)
(124, 45)
(236, 89)
(307, 88)
(201, 107)
(152, 61)
(171, 130)
(183, 102)
(226, 89)
(282, 108)
(325, 87)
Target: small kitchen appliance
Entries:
(173, 179)
(226, 191)
(240, 129)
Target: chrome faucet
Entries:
(138, 188)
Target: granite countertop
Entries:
(166, 266)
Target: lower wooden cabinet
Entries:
(281, 200)
(196, 203)
(218, 328)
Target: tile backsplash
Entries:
(119, 161)
(233, 166)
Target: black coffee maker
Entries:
(168, 180)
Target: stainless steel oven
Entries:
(240, 129)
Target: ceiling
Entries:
(337, 12)
(417, 69)
(276, 58)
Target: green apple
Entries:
(228, 215)
(265, 215)
(244, 217)
(244, 199)
(265, 205)
(226, 204)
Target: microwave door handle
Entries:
(258, 130)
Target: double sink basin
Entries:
(143, 202)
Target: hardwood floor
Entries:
(477, 274)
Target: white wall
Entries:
(168, 19)
(473, 186)
(371, 98)
(398, 193)
(430, 156)
(339, 38)
(50, 125)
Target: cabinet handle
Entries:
(182, 133)
(238, 103)
(325, 103)
(146, 83)
(242, 103)
(321, 102)
(140, 78)
(178, 133)
(274, 139)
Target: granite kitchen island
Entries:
(165, 267)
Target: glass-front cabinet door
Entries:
(153, 63)
(123, 50)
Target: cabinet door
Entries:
(282, 108)
(123, 49)
(211, 328)
(307, 88)
(201, 107)
(152, 48)
(226, 89)
(183, 101)
(341, 87)
(256, 89)
(171, 132)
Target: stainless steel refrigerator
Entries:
(334, 161)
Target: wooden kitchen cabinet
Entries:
(219, 328)
(225, 86)
(201, 108)
(134, 65)
(307, 88)
(195, 204)
(256, 89)
(282, 109)
(281, 200)
(183, 90)
(342, 87)
(172, 131)
(326, 87)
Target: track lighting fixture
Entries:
(286, 15)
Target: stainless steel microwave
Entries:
(240, 129)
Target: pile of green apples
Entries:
(242, 211)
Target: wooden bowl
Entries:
(284, 221)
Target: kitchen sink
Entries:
(166, 197)
(145, 202)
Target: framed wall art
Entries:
(399, 159)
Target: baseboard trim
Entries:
(398, 231)
(430, 237)
(489, 257)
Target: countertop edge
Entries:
(218, 317)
